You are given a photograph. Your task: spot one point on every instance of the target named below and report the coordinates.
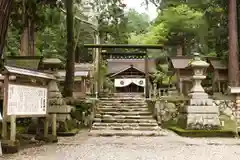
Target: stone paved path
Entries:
(171, 147)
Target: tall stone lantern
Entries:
(199, 67)
(200, 113)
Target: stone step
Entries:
(139, 128)
(125, 120)
(106, 116)
(123, 106)
(126, 124)
(123, 101)
(99, 109)
(126, 133)
(127, 113)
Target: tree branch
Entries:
(93, 26)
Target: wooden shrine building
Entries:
(128, 71)
(219, 74)
(179, 65)
(82, 76)
(128, 74)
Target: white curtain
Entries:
(122, 82)
(139, 82)
(127, 81)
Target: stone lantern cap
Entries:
(197, 62)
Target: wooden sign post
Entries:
(25, 95)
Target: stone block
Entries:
(200, 102)
(203, 109)
(63, 117)
(56, 94)
(201, 121)
(60, 109)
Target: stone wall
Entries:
(225, 107)
(167, 110)
(85, 110)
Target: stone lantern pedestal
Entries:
(200, 113)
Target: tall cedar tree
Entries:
(233, 64)
(5, 10)
(69, 79)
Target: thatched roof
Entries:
(180, 62)
(117, 65)
(28, 62)
(84, 66)
(52, 61)
(126, 69)
(216, 63)
(77, 75)
(81, 70)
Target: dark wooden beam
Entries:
(23, 57)
(133, 46)
(146, 77)
(125, 53)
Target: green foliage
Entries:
(50, 23)
(137, 22)
(112, 21)
(202, 133)
(200, 25)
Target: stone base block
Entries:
(203, 109)
(200, 117)
(198, 95)
(63, 117)
(48, 139)
(200, 102)
(60, 109)
(10, 147)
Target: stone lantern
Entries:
(199, 67)
(200, 113)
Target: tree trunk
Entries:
(233, 65)
(5, 10)
(69, 79)
(27, 47)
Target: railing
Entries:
(161, 92)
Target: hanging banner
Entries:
(127, 81)
(139, 82)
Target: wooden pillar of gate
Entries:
(146, 77)
(97, 72)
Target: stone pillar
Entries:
(58, 110)
(201, 113)
(155, 90)
(236, 110)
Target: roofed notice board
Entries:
(26, 100)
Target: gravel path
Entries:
(171, 147)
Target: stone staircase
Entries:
(124, 117)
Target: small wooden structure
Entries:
(25, 95)
(83, 75)
(219, 74)
(179, 65)
(83, 80)
(28, 62)
(50, 64)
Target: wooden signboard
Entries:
(21, 100)
(26, 72)
(26, 100)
